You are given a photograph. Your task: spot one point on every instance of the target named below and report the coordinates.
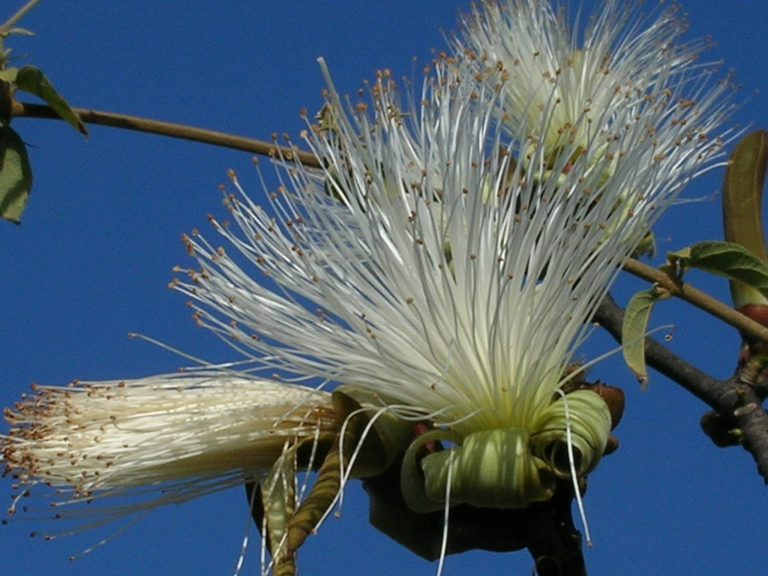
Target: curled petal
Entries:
(588, 418)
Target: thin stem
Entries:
(181, 131)
(8, 24)
(701, 300)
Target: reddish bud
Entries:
(614, 398)
(756, 312)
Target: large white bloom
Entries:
(448, 263)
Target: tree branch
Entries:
(736, 399)
(181, 131)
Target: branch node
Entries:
(746, 409)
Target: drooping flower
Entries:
(180, 436)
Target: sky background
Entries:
(93, 257)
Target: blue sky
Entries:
(93, 257)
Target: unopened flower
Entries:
(179, 436)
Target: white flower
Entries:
(450, 266)
(183, 435)
(626, 86)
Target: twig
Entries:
(700, 299)
(171, 130)
(6, 27)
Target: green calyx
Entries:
(508, 467)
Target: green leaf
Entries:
(743, 206)
(32, 80)
(726, 259)
(647, 247)
(635, 328)
(15, 175)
